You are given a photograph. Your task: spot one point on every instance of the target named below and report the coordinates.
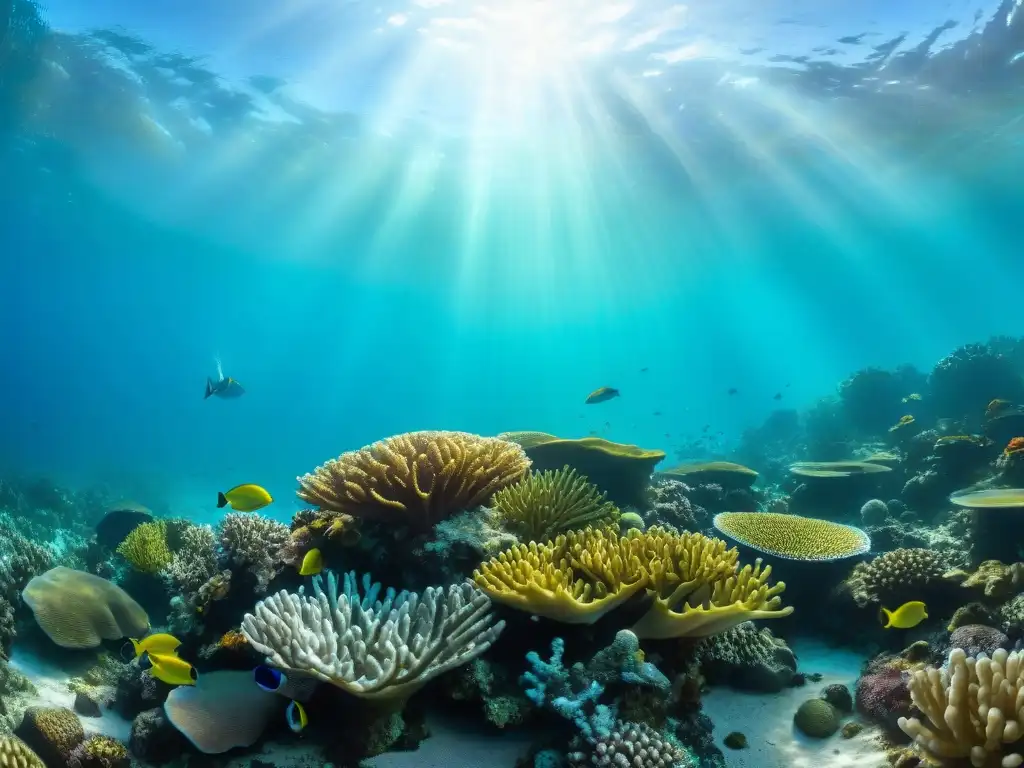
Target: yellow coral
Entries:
(549, 503)
(146, 547)
(15, 753)
(695, 583)
(418, 478)
(792, 536)
(232, 640)
(105, 748)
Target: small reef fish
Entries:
(226, 388)
(911, 397)
(906, 616)
(733, 391)
(601, 395)
(778, 396)
(295, 716)
(270, 679)
(245, 498)
(161, 643)
(312, 563)
(169, 668)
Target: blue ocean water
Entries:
(392, 216)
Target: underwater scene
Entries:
(511, 384)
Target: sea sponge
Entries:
(895, 577)
(546, 504)
(622, 471)
(817, 718)
(146, 547)
(52, 732)
(792, 536)
(541, 578)
(79, 610)
(254, 541)
(385, 649)
(15, 753)
(972, 709)
(415, 479)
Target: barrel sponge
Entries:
(14, 753)
(373, 648)
(549, 503)
(575, 579)
(793, 537)
(79, 610)
(146, 547)
(417, 478)
(699, 588)
(223, 710)
(951, 700)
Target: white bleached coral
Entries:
(372, 648)
(974, 709)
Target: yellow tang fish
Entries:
(906, 616)
(295, 715)
(601, 394)
(312, 563)
(171, 669)
(162, 644)
(245, 498)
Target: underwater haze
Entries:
(444, 214)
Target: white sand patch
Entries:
(50, 679)
(767, 719)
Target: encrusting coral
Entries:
(372, 648)
(146, 547)
(973, 709)
(253, 541)
(697, 585)
(792, 536)
(415, 479)
(895, 577)
(546, 504)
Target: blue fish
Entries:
(269, 678)
(295, 716)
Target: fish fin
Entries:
(887, 614)
(222, 500)
(209, 388)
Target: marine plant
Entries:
(548, 503)
(373, 648)
(697, 586)
(415, 479)
(146, 547)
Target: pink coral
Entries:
(883, 695)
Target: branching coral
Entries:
(146, 547)
(253, 541)
(697, 585)
(415, 479)
(974, 709)
(549, 503)
(894, 577)
(195, 562)
(372, 648)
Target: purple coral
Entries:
(883, 696)
(978, 638)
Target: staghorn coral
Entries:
(792, 536)
(546, 504)
(631, 744)
(973, 709)
(78, 610)
(372, 648)
(697, 585)
(895, 577)
(194, 562)
(747, 658)
(253, 541)
(415, 479)
(146, 547)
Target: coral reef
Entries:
(253, 542)
(146, 547)
(792, 536)
(52, 732)
(747, 658)
(895, 577)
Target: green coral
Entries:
(552, 502)
(146, 547)
(817, 718)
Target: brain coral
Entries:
(895, 577)
(415, 479)
(792, 536)
(549, 503)
(14, 753)
(817, 718)
(79, 610)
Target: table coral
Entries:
(792, 536)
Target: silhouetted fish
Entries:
(601, 395)
(733, 391)
(778, 396)
(226, 388)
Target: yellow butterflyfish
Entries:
(906, 616)
(245, 498)
(312, 563)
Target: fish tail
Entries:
(222, 500)
(888, 618)
(209, 388)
